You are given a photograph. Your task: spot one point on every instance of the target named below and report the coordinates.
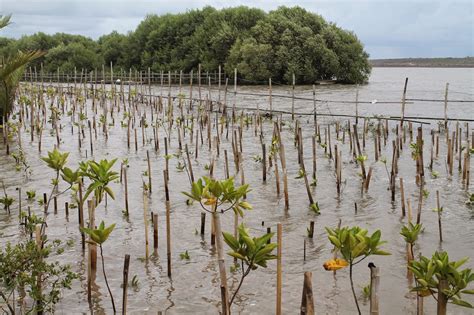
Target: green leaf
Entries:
(237, 255)
(461, 302)
(231, 241)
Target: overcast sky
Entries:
(388, 28)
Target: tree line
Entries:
(277, 44)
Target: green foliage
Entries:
(69, 176)
(410, 232)
(217, 193)
(31, 194)
(185, 256)
(55, 159)
(100, 175)
(12, 67)
(315, 208)
(355, 245)
(135, 282)
(19, 268)
(99, 235)
(366, 291)
(415, 150)
(470, 200)
(361, 158)
(260, 45)
(301, 174)
(6, 201)
(428, 272)
(354, 242)
(254, 251)
(31, 221)
(426, 193)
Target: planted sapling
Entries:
(354, 245)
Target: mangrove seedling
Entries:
(31, 194)
(441, 276)
(56, 161)
(470, 200)
(366, 291)
(410, 233)
(251, 251)
(354, 245)
(218, 197)
(185, 256)
(415, 150)
(7, 202)
(301, 174)
(315, 207)
(99, 236)
(100, 175)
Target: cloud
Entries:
(388, 28)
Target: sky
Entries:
(387, 28)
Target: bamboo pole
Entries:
(221, 262)
(145, 221)
(124, 167)
(126, 265)
(438, 209)
(168, 223)
(307, 303)
(149, 170)
(402, 193)
(374, 286)
(403, 102)
(279, 269)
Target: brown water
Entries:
(194, 287)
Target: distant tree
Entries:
(70, 56)
(278, 44)
(113, 49)
(303, 44)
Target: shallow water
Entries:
(194, 287)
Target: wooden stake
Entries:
(438, 208)
(279, 265)
(126, 265)
(168, 223)
(307, 303)
(374, 286)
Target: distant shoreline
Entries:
(467, 62)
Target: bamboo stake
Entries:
(307, 303)
(155, 233)
(403, 102)
(279, 271)
(374, 286)
(126, 265)
(149, 170)
(446, 106)
(402, 193)
(221, 262)
(145, 221)
(438, 208)
(124, 167)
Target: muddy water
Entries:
(194, 286)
